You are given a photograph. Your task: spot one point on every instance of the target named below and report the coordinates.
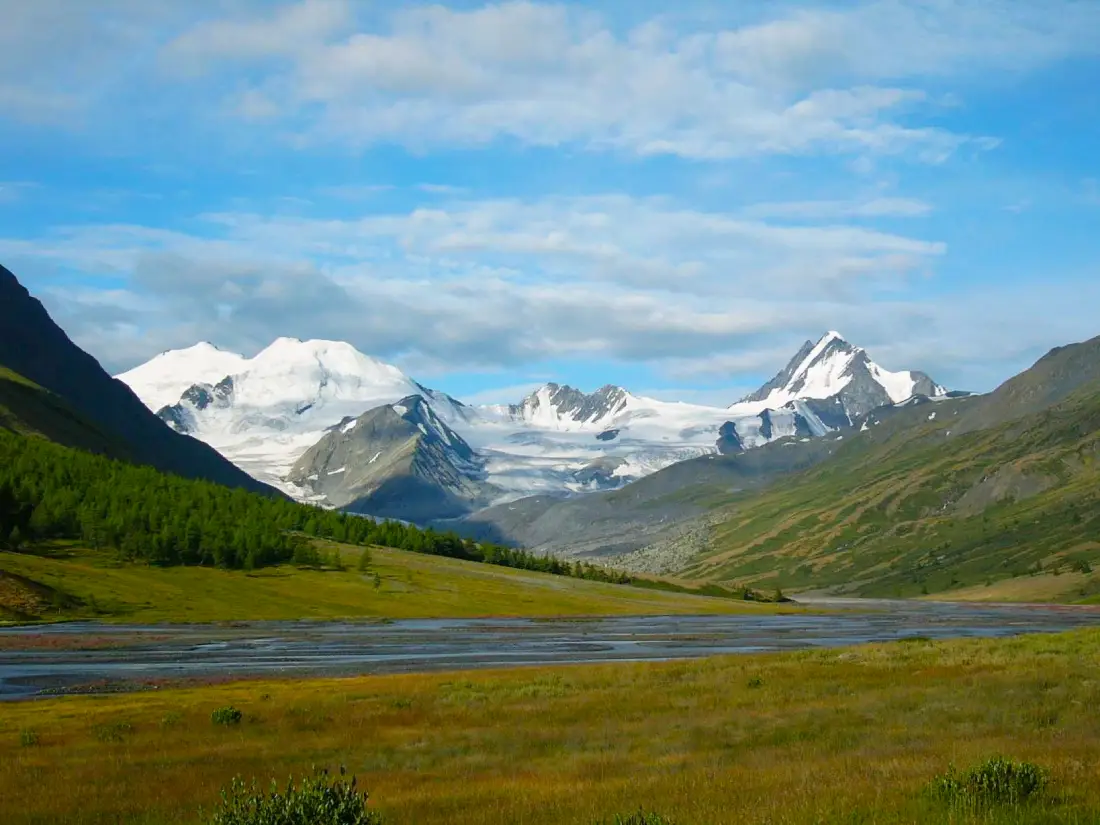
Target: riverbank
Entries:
(836, 735)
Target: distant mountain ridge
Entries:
(558, 440)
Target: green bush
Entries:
(28, 738)
(113, 731)
(226, 716)
(316, 801)
(996, 781)
(640, 818)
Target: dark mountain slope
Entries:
(27, 409)
(33, 346)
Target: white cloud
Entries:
(813, 80)
(291, 29)
(877, 207)
(493, 284)
(500, 285)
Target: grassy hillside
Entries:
(911, 507)
(80, 583)
(827, 736)
(28, 409)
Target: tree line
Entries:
(50, 492)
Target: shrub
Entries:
(756, 682)
(994, 782)
(365, 560)
(28, 738)
(112, 731)
(641, 818)
(171, 719)
(316, 801)
(226, 716)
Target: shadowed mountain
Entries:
(395, 461)
(33, 346)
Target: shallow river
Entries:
(118, 657)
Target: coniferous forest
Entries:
(49, 492)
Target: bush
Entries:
(641, 818)
(28, 738)
(994, 782)
(316, 801)
(113, 731)
(226, 716)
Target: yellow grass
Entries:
(1046, 587)
(850, 735)
(412, 586)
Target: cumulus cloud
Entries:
(811, 81)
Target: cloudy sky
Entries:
(492, 196)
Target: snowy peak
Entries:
(832, 368)
(290, 372)
(161, 381)
(561, 407)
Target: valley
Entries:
(523, 412)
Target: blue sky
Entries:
(492, 196)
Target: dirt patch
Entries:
(22, 598)
(1009, 482)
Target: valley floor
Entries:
(71, 582)
(852, 735)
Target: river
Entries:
(92, 657)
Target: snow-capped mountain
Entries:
(296, 410)
(273, 407)
(556, 407)
(398, 461)
(843, 376)
(162, 380)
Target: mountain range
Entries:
(828, 489)
(327, 424)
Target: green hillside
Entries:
(28, 409)
(912, 507)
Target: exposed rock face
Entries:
(600, 474)
(398, 461)
(729, 443)
(34, 346)
(562, 402)
(181, 416)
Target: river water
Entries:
(118, 657)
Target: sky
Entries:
(668, 197)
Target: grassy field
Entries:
(831, 736)
(77, 583)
